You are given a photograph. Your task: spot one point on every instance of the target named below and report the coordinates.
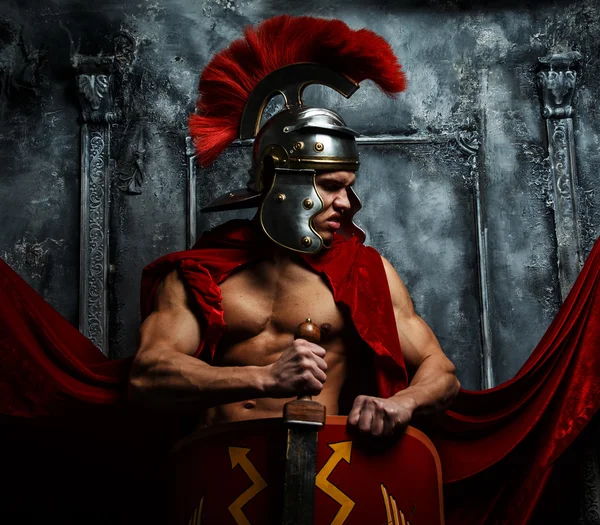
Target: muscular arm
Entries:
(434, 384)
(166, 375)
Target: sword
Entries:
(303, 418)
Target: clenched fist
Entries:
(381, 417)
(299, 371)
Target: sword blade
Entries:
(300, 473)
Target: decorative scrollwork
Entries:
(469, 143)
(560, 160)
(96, 271)
(93, 88)
(100, 81)
(557, 82)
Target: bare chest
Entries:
(276, 299)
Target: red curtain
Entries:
(499, 448)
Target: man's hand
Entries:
(299, 371)
(381, 417)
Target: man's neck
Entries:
(278, 255)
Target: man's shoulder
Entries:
(378, 265)
(232, 231)
(201, 267)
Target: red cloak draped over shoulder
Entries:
(498, 447)
(353, 271)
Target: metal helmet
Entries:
(299, 142)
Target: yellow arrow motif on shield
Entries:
(239, 456)
(394, 515)
(341, 450)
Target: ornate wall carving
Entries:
(97, 81)
(469, 143)
(557, 81)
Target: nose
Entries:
(341, 203)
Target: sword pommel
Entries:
(309, 331)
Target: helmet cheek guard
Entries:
(288, 208)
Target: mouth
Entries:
(334, 223)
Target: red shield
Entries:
(233, 474)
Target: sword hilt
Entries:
(305, 411)
(309, 331)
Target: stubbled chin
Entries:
(325, 231)
(327, 237)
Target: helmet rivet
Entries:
(319, 146)
(308, 204)
(299, 145)
(306, 241)
(286, 129)
(280, 197)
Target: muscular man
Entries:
(260, 366)
(304, 163)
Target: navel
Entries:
(249, 405)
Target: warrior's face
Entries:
(333, 190)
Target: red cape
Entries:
(503, 443)
(359, 284)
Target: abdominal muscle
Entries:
(264, 350)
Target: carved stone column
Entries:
(469, 143)
(95, 88)
(99, 81)
(557, 81)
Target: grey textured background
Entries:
(468, 65)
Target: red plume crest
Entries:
(232, 74)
